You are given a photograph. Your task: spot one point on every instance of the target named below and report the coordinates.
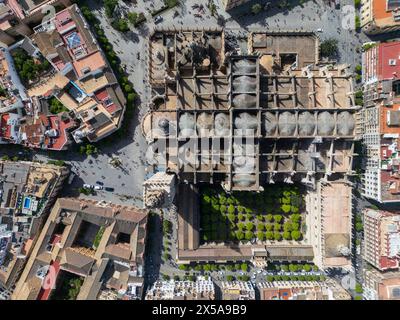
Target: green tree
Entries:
(293, 267)
(232, 218)
(239, 235)
(133, 17)
(171, 3)
(229, 278)
(295, 217)
(278, 218)
(167, 227)
(296, 235)
(260, 227)
(256, 8)
(249, 235)
(183, 267)
(287, 235)
(122, 26)
(277, 227)
(268, 217)
(260, 235)
(329, 48)
(358, 288)
(286, 208)
(277, 236)
(110, 6)
(249, 226)
(269, 235)
(165, 277)
(56, 106)
(244, 267)
(198, 267)
(295, 226)
(287, 227)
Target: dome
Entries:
(186, 124)
(221, 124)
(204, 124)
(287, 123)
(245, 84)
(244, 66)
(244, 180)
(270, 123)
(345, 123)
(306, 123)
(244, 101)
(326, 123)
(243, 164)
(245, 121)
(243, 148)
(163, 125)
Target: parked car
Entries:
(158, 19)
(97, 187)
(88, 186)
(71, 177)
(109, 189)
(100, 183)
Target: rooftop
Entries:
(102, 243)
(26, 191)
(281, 103)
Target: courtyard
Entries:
(274, 214)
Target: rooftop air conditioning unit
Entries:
(392, 62)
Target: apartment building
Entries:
(381, 285)
(302, 290)
(27, 191)
(201, 289)
(380, 16)
(381, 71)
(382, 239)
(76, 76)
(99, 247)
(237, 290)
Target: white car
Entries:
(320, 30)
(88, 186)
(71, 177)
(97, 187)
(158, 19)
